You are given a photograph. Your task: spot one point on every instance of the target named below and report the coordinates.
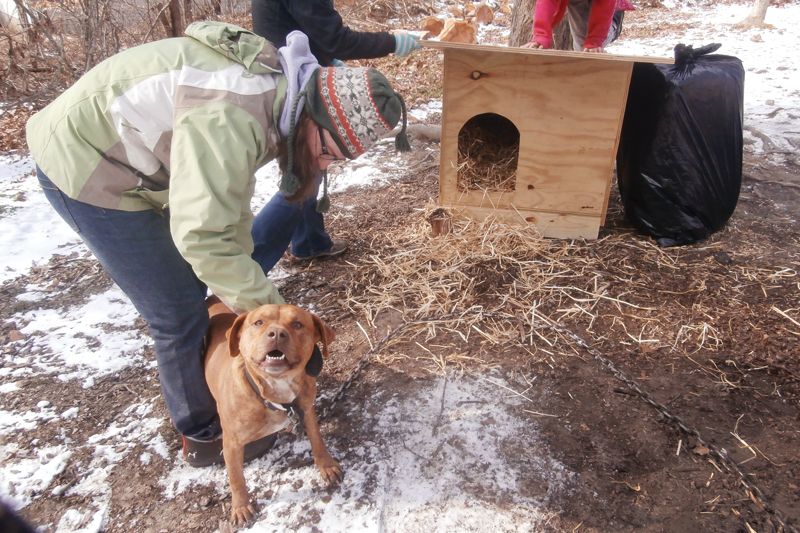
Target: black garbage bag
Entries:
(679, 162)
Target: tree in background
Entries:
(45, 45)
(174, 16)
(756, 16)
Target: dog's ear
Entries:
(314, 365)
(325, 334)
(234, 333)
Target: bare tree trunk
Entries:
(757, 14)
(175, 18)
(90, 28)
(188, 15)
(171, 16)
(521, 22)
(522, 26)
(562, 37)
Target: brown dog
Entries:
(258, 365)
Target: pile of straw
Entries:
(505, 284)
(486, 161)
(482, 278)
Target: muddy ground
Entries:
(729, 370)
(708, 333)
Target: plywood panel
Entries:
(568, 108)
(568, 112)
(441, 45)
(551, 225)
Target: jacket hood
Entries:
(255, 53)
(298, 65)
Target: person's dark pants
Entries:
(280, 223)
(137, 251)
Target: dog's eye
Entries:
(258, 322)
(297, 324)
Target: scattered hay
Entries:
(481, 280)
(467, 288)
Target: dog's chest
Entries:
(282, 391)
(275, 421)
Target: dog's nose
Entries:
(277, 332)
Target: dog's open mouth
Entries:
(275, 360)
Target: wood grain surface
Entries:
(568, 109)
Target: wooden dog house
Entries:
(552, 117)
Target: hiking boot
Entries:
(201, 453)
(337, 248)
(257, 448)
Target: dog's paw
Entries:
(242, 515)
(330, 470)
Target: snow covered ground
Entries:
(408, 498)
(772, 80)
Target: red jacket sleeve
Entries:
(547, 14)
(602, 11)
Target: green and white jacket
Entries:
(180, 123)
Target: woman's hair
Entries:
(306, 161)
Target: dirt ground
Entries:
(735, 380)
(738, 388)
(704, 331)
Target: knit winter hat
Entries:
(357, 106)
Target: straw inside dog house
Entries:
(531, 136)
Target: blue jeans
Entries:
(281, 222)
(137, 251)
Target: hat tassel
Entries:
(401, 141)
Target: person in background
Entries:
(150, 157)
(616, 21)
(280, 223)
(589, 23)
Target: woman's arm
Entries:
(331, 38)
(215, 150)
(602, 11)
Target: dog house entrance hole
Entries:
(488, 152)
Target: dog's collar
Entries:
(291, 409)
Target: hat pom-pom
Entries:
(401, 142)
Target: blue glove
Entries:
(338, 63)
(405, 43)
